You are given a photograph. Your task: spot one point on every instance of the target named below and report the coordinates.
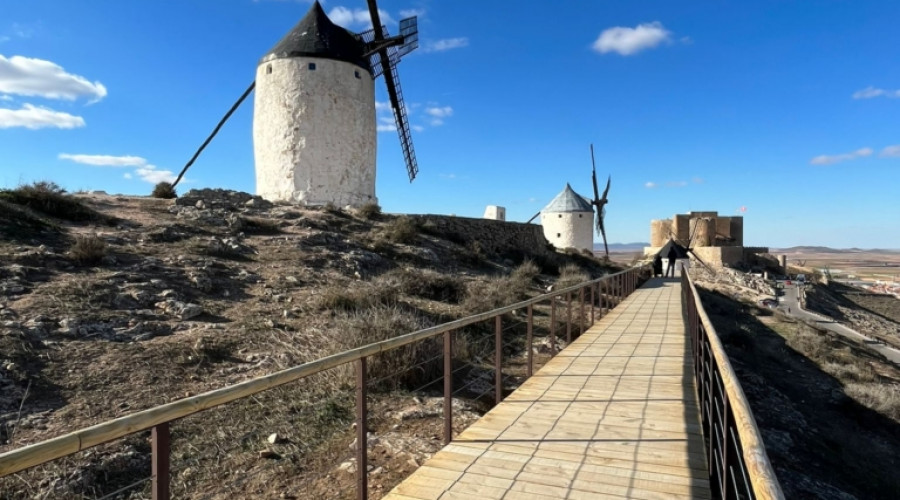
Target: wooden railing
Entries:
(605, 293)
(739, 467)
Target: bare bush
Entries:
(164, 190)
(49, 198)
(571, 275)
(369, 211)
(88, 249)
(403, 230)
(360, 296)
(501, 290)
(426, 284)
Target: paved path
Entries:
(614, 415)
(790, 304)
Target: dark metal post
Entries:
(530, 341)
(362, 466)
(601, 290)
(160, 449)
(581, 311)
(498, 359)
(592, 303)
(448, 387)
(568, 317)
(552, 325)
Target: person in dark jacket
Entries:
(657, 266)
(672, 255)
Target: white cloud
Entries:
(832, 159)
(33, 117)
(126, 175)
(36, 77)
(676, 184)
(382, 106)
(870, 92)
(697, 180)
(447, 176)
(890, 152)
(347, 18)
(105, 160)
(439, 111)
(650, 185)
(445, 44)
(150, 174)
(412, 12)
(417, 128)
(628, 41)
(386, 124)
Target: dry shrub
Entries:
(501, 290)
(571, 275)
(164, 190)
(88, 249)
(369, 211)
(812, 344)
(362, 295)
(849, 372)
(883, 398)
(403, 230)
(259, 225)
(50, 199)
(409, 366)
(426, 284)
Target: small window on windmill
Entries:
(560, 216)
(558, 235)
(268, 69)
(356, 74)
(312, 66)
(579, 215)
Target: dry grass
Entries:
(50, 199)
(571, 275)
(369, 211)
(402, 230)
(164, 190)
(88, 249)
(359, 296)
(883, 398)
(426, 284)
(501, 290)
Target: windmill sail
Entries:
(400, 119)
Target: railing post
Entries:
(568, 317)
(601, 291)
(725, 455)
(362, 445)
(160, 449)
(592, 302)
(498, 359)
(552, 325)
(530, 341)
(448, 386)
(581, 311)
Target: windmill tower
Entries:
(568, 221)
(314, 132)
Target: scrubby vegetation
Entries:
(88, 249)
(164, 190)
(50, 199)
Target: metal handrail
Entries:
(739, 466)
(158, 418)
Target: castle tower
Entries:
(568, 221)
(314, 117)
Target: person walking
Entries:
(657, 266)
(672, 255)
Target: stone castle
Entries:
(715, 239)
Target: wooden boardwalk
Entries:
(614, 415)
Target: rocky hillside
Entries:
(113, 304)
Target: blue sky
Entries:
(787, 109)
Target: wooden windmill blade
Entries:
(389, 50)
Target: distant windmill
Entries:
(314, 130)
(598, 202)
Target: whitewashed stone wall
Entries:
(314, 132)
(569, 229)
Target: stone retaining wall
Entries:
(494, 236)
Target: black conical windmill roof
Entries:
(316, 36)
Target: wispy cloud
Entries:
(348, 18)
(144, 171)
(650, 185)
(445, 44)
(697, 180)
(105, 160)
(34, 117)
(676, 184)
(832, 159)
(382, 106)
(447, 176)
(437, 114)
(412, 12)
(890, 152)
(37, 77)
(385, 124)
(870, 92)
(629, 41)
